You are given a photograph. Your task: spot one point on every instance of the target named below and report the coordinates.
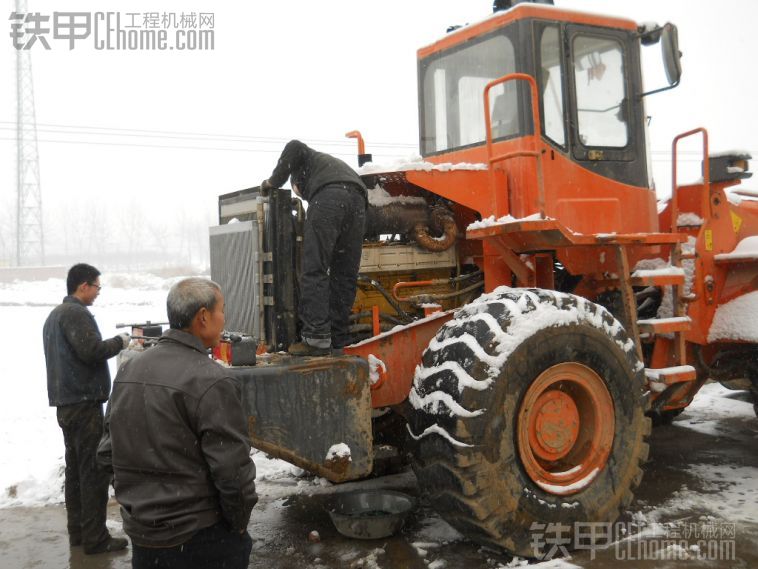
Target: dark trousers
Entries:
(86, 486)
(210, 548)
(332, 242)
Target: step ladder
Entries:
(677, 325)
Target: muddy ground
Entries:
(704, 470)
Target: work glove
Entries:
(266, 187)
(125, 339)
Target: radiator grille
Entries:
(234, 266)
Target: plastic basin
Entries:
(369, 514)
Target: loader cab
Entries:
(588, 73)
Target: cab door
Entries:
(605, 117)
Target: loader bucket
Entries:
(309, 411)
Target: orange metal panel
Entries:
(664, 325)
(401, 352)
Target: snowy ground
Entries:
(704, 467)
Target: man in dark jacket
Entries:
(176, 437)
(332, 241)
(78, 382)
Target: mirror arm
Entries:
(654, 91)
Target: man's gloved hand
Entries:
(266, 187)
(125, 339)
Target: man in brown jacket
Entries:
(175, 434)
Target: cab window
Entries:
(600, 91)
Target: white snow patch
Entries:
(647, 27)
(736, 320)
(651, 264)
(436, 429)
(662, 272)
(340, 450)
(689, 219)
(438, 530)
(35, 491)
(727, 494)
(747, 248)
(431, 402)
(555, 564)
(380, 197)
(738, 195)
(504, 220)
(415, 162)
(370, 561)
(710, 405)
(374, 367)
(729, 153)
(578, 485)
(673, 552)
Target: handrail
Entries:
(521, 153)
(706, 207)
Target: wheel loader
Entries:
(526, 306)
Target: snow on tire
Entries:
(528, 409)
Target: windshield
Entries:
(452, 95)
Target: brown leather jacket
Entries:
(175, 434)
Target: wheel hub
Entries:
(566, 425)
(556, 425)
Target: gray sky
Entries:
(311, 70)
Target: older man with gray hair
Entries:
(175, 434)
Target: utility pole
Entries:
(30, 246)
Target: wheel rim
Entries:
(566, 424)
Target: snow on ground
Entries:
(710, 406)
(31, 443)
(726, 492)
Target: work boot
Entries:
(108, 546)
(303, 349)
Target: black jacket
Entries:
(312, 170)
(76, 355)
(175, 434)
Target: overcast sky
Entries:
(311, 70)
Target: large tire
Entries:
(473, 453)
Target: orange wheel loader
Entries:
(527, 307)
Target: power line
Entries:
(175, 147)
(149, 133)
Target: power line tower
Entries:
(30, 246)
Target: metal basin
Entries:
(369, 514)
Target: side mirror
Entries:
(671, 54)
